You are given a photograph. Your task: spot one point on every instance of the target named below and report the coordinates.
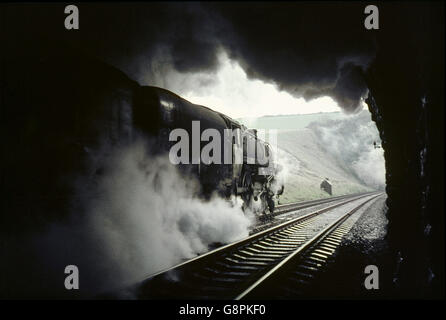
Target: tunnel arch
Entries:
(406, 100)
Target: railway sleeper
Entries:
(303, 275)
(257, 251)
(266, 255)
(247, 259)
(236, 267)
(249, 263)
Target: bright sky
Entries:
(233, 94)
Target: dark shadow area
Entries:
(406, 99)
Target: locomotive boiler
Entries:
(244, 165)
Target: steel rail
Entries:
(283, 208)
(223, 271)
(253, 237)
(321, 234)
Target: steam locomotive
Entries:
(70, 105)
(252, 177)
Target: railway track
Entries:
(291, 208)
(285, 208)
(253, 266)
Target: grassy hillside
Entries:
(308, 163)
(289, 122)
(307, 156)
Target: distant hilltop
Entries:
(288, 122)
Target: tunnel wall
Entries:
(406, 99)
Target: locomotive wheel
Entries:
(247, 184)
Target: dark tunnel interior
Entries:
(406, 92)
(406, 99)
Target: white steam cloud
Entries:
(137, 215)
(150, 217)
(350, 139)
(286, 164)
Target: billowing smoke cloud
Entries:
(150, 217)
(350, 140)
(137, 217)
(307, 49)
(286, 164)
(309, 53)
(370, 168)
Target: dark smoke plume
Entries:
(306, 49)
